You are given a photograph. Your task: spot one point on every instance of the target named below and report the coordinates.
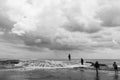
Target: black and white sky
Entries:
(54, 28)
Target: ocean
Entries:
(58, 70)
(108, 62)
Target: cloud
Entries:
(5, 24)
(61, 41)
(76, 27)
(62, 24)
(21, 51)
(110, 13)
(50, 24)
(73, 15)
(107, 38)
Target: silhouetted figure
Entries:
(115, 67)
(69, 57)
(97, 66)
(82, 61)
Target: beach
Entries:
(58, 70)
(59, 39)
(58, 74)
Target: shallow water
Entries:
(58, 74)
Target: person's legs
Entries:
(116, 71)
(96, 71)
(82, 63)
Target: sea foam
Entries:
(50, 64)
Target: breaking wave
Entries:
(50, 64)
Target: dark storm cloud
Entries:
(77, 27)
(5, 24)
(110, 15)
(46, 43)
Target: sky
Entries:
(51, 29)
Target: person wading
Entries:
(69, 57)
(115, 67)
(82, 61)
(97, 66)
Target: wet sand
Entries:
(58, 74)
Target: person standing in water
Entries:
(69, 57)
(115, 67)
(82, 61)
(97, 66)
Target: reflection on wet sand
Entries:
(97, 77)
(82, 74)
(56, 75)
(116, 77)
(12, 75)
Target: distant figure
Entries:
(97, 66)
(82, 61)
(115, 67)
(69, 57)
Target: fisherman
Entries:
(82, 61)
(69, 57)
(97, 66)
(115, 67)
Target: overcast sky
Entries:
(54, 28)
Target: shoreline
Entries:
(57, 74)
(74, 69)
